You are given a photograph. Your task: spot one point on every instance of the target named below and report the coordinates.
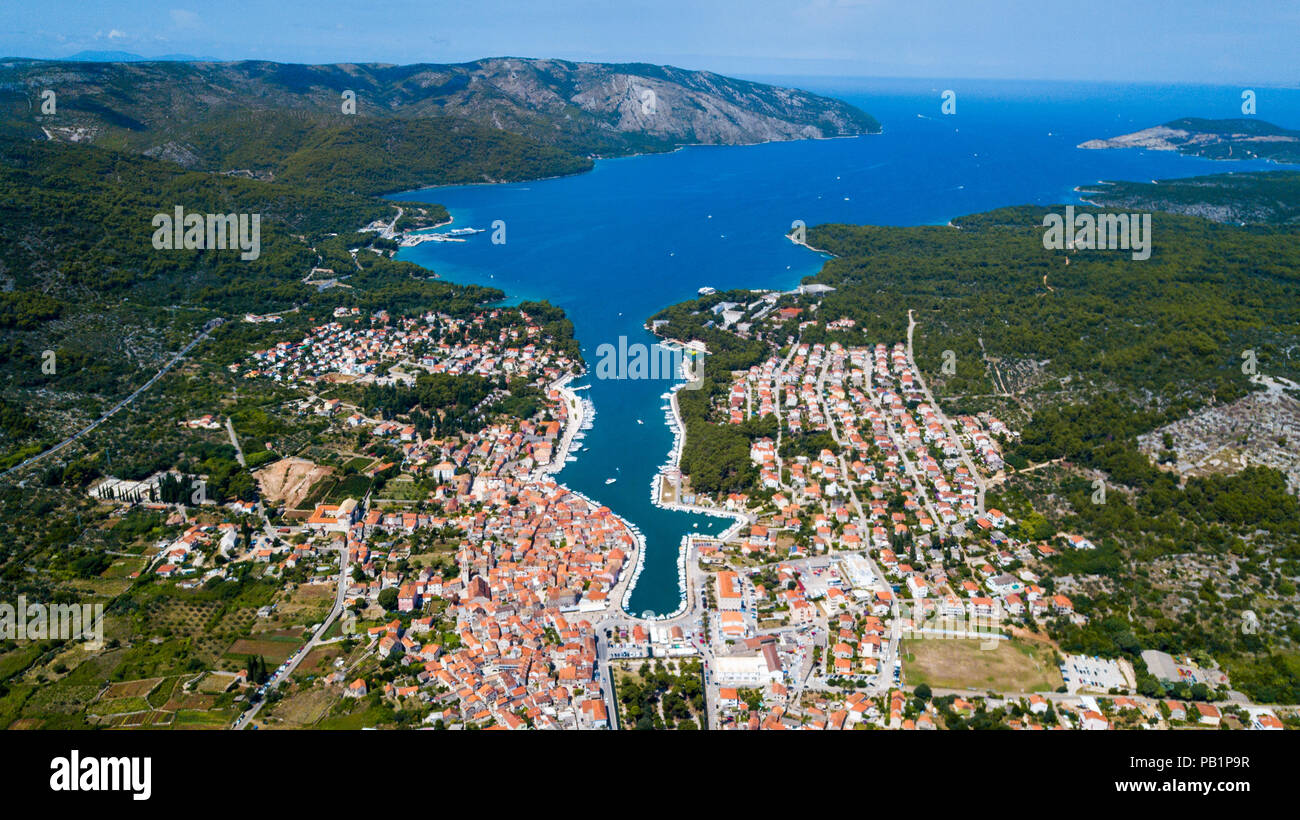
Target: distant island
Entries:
(1212, 139)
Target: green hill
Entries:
(1268, 197)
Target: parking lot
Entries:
(1086, 672)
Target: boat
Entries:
(638, 421)
(610, 480)
(464, 231)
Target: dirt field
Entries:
(307, 604)
(131, 688)
(25, 723)
(1015, 666)
(289, 480)
(190, 701)
(302, 708)
(274, 651)
(320, 661)
(213, 684)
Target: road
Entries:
(239, 451)
(207, 329)
(286, 672)
(778, 401)
(992, 366)
(943, 418)
(615, 618)
(392, 226)
(890, 650)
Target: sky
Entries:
(1188, 41)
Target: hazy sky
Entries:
(1210, 41)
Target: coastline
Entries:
(811, 248)
(576, 416)
(1079, 190)
(739, 520)
(577, 413)
(595, 158)
(622, 591)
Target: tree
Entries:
(388, 598)
(257, 672)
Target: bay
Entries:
(616, 244)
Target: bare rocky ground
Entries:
(1262, 428)
(289, 480)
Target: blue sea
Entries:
(636, 234)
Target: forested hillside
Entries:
(82, 278)
(1269, 197)
(404, 126)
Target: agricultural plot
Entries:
(156, 703)
(320, 661)
(303, 708)
(307, 604)
(131, 689)
(275, 648)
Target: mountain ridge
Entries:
(565, 112)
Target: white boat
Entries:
(610, 480)
(638, 421)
